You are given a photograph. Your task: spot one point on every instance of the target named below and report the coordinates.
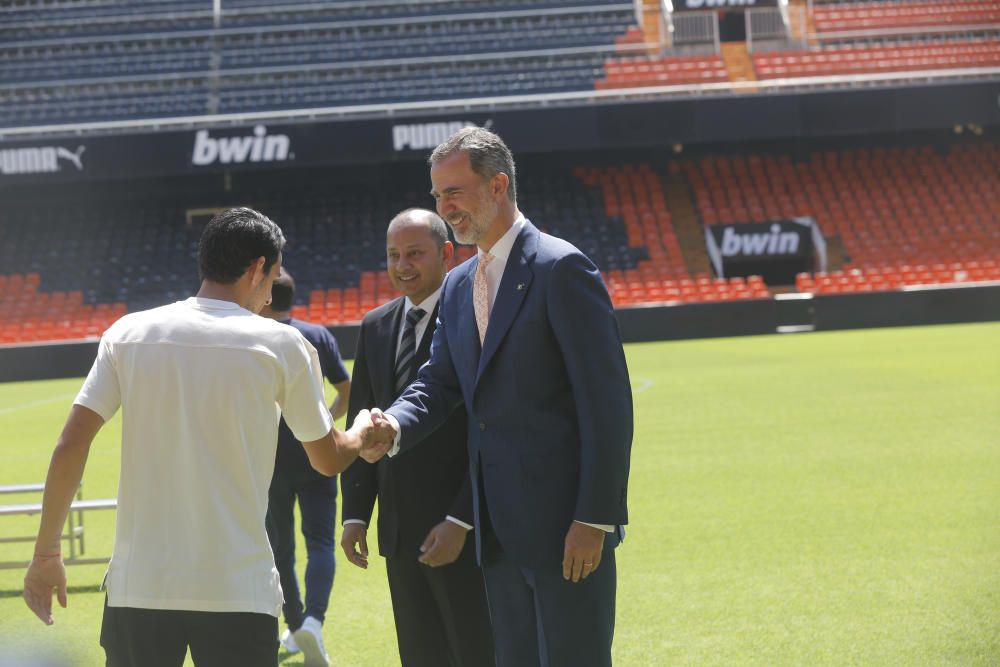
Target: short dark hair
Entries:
(231, 242)
(488, 155)
(283, 292)
(438, 229)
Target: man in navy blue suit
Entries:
(527, 341)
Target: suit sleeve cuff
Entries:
(395, 443)
(601, 526)
(363, 523)
(459, 522)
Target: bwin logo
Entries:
(39, 160)
(421, 136)
(259, 147)
(774, 243)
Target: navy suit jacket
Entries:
(547, 396)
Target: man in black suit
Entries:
(425, 498)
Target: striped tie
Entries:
(407, 349)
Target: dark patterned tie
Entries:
(405, 357)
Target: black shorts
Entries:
(134, 637)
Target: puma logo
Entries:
(38, 159)
(71, 156)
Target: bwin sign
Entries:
(258, 147)
(39, 159)
(421, 136)
(750, 244)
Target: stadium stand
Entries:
(864, 59)
(844, 17)
(894, 217)
(899, 217)
(31, 315)
(910, 216)
(635, 72)
(170, 61)
(69, 61)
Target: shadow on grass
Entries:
(293, 658)
(72, 590)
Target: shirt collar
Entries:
(203, 303)
(428, 305)
(501, 249)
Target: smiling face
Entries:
(416, 261)
(469, 203)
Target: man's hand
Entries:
(45, 575)
(380, 438)
(583, 551)
(354, 542)
(369, 440)
(443, 544)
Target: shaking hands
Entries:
(376, 432)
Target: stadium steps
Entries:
(739, 66)
(687, 227)
(836, 254)
(797, 9)
(652, 20)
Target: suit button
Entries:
(482, 426)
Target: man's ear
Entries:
(448, 251)
(500, 184)
(256, 270)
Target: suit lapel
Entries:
(466, 348)
(514, 286)
(423, 351)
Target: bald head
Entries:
(421, 217)
(417, 253)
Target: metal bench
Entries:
(74, 523)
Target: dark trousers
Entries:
(134, 637)
(318, 505)
(542, 620)
(442, 617)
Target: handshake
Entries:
(375, 432)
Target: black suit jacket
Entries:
(417, 490)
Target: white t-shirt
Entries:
(201, 384)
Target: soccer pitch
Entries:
(821, 499)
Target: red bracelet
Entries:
(57, 554)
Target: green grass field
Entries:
(822, 499)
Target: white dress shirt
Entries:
(501, 253)
(427, 305)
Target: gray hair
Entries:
(437, 227)
(488, 155)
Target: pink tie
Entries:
(481, 295)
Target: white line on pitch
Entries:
(35, 404)
(646, 384)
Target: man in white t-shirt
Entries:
(201, 383)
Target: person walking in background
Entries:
(425, 498)
(200, 383)
(294, 479)
(528, 343)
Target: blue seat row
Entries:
(141, 16)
